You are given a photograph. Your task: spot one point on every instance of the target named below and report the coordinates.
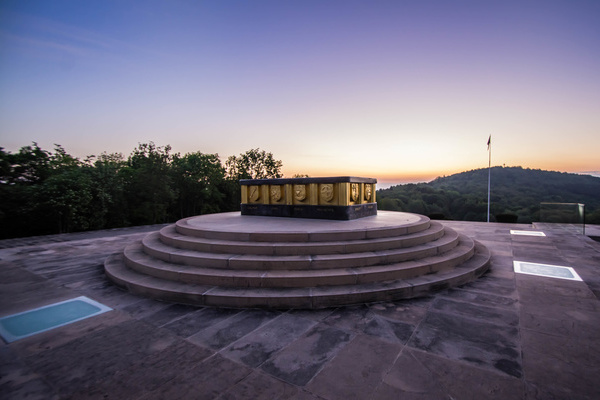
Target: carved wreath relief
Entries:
(327, 192)
(300, 192)
(275, 193)
(253, 193)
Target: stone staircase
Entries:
(230, 260)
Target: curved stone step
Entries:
(231, 260)
(446, 243)
(154, 247)
(403, 289)
(307, 297)
(137, 259)
(171, 237)
(218, 226)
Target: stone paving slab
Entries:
(369, 360)
(222, 334)
(504, 336)
(473, 340)
(261, 344)
(467, 381)
(299, 362)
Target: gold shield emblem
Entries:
(327, 192)
(300, 192)
(368, 192)
(354, 191)
(254, 193)
(275, 193)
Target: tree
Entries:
(45, 192)
(198, 178)
(253, 164)
(148, 184)
(65, 200)
(60, 160)
(29, 166)
(109, 203)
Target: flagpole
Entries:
(489, 174)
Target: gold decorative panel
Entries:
(329, 194)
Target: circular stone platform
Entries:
(247, 227)
(235, 260)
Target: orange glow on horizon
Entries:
(381, 176)
(387, 178)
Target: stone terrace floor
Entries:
(505, 336)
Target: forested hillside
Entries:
(515, 191)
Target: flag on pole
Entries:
(489, 175)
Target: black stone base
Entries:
(316, 212)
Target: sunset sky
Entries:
(396, 90)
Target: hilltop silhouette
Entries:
(515, 191)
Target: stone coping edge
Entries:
(305, 181)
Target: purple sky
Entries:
(395, 90)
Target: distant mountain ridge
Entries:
(514, 191)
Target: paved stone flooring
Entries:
(505, 336)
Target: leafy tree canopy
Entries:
(44, 192)
(253, 164)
